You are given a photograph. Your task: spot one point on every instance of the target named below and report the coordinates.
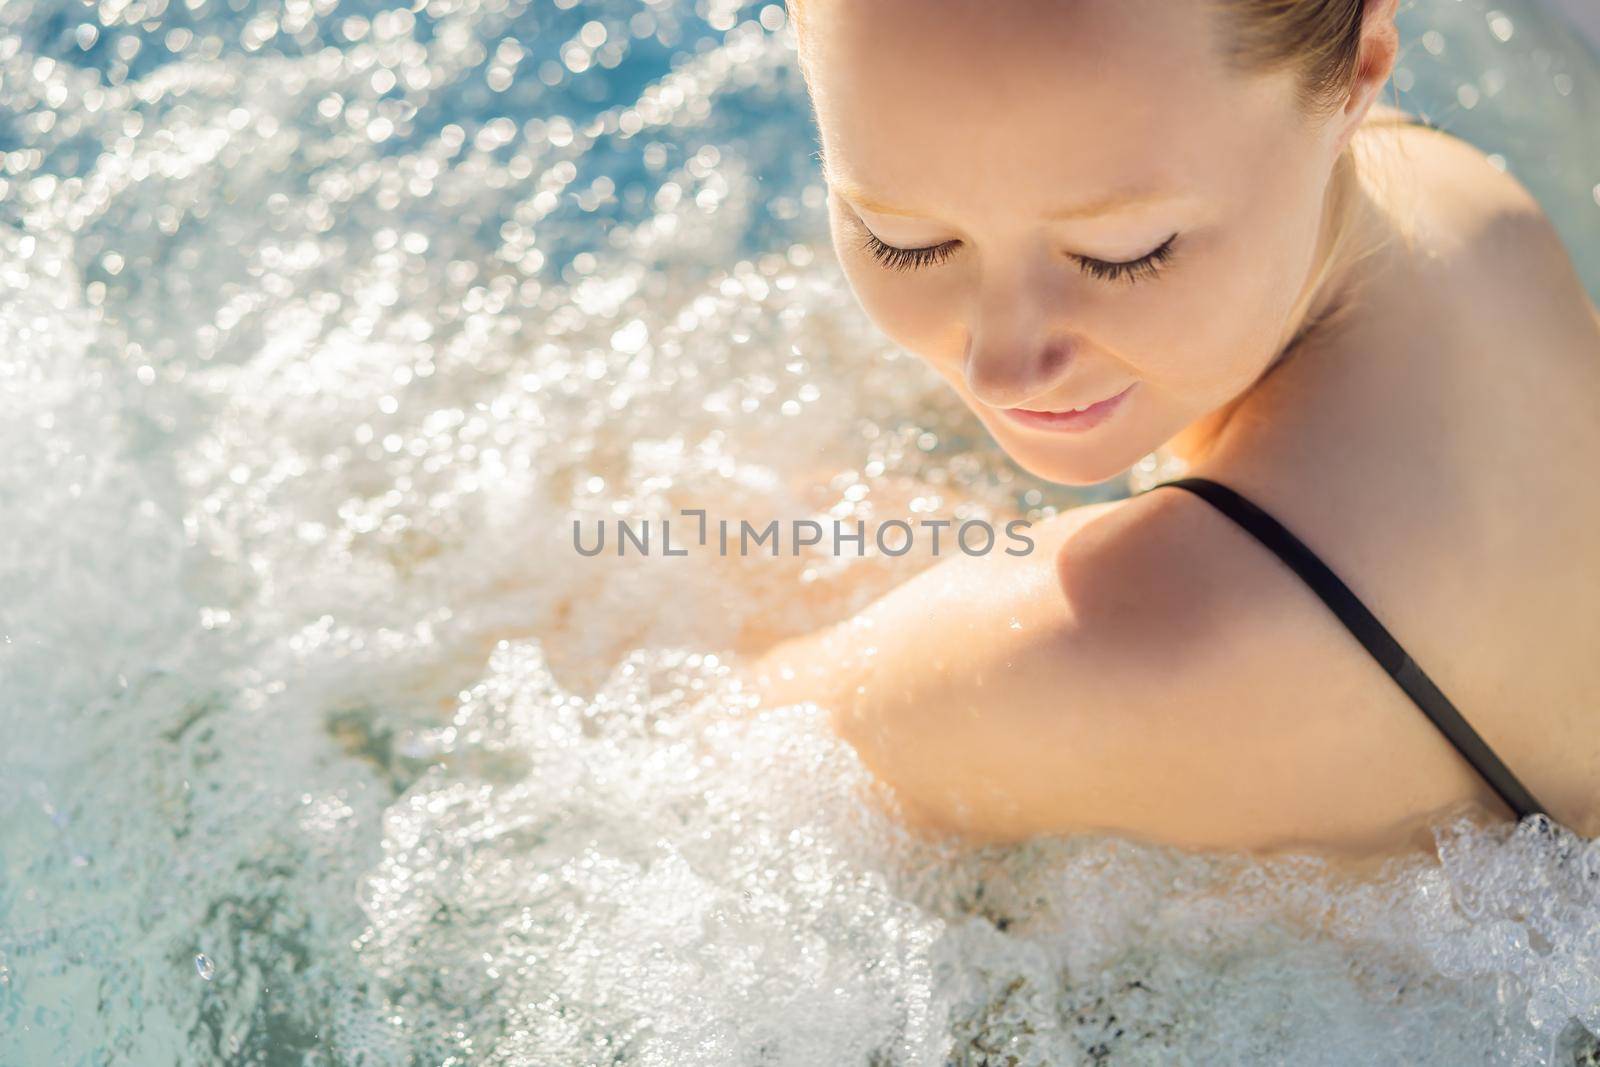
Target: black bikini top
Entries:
(1371, 633)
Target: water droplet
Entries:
(203, 965)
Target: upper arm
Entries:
(1150, 675)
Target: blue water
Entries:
(319, 323)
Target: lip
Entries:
(1069, 421)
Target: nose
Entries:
(1007, 369)
(1022, 339)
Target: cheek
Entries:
(1211, 329)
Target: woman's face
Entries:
(1057, 203)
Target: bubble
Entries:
(321, 324)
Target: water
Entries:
(319, 323)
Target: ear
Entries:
(1379, 48)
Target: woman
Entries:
(1118, 225)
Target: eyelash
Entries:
(1145, 267)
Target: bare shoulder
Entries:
(1477, 221)
(1148, 672)
(1458, 180)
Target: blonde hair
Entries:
(1320, 39)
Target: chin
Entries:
(1090, 467)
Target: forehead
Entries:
(934, 101)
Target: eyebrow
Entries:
(1105, 205)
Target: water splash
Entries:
(318, 326)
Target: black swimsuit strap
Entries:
(1371, 633)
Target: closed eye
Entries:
(1146, 266)
(902, 259)
(906, 258)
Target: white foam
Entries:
(313, 343)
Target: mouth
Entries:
(1074, 420)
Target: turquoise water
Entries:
(320, 323)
